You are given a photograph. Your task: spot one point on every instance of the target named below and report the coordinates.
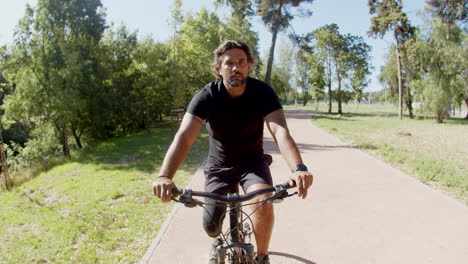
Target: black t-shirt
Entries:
(235, 125)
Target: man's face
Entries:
(234, 67)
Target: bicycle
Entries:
(234, 241)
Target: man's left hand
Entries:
(303, 180)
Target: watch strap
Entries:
(300, 167)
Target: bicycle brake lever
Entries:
(186, 198)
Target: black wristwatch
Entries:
(300, 167)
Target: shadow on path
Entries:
(270, 146)
(299, 114)
(289, 256)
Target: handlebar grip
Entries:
(176, 192)
(289, 186)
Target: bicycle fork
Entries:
(240, 251)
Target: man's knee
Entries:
(213, 218)
(211, 228)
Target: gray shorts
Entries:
(222, 180)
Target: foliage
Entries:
(317, 76)
(238, 26)
(344, 58)
(449, 11)
(359, 65)
(42, 146)
(151, 88)
(236, 29)
(389, 16)
(200, 36)
(53, 64)
(18, 131)
(119, 46)
(302, 77)
(410, 70)
(276, 15)
(443, 61)
(285, 69)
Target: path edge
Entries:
(150, 251)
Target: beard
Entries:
(236, 82)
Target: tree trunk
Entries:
(65, 147)
(400, 85)
(271, 55)
(329, 98)
(409, 103)
(439, 117)
(466, 102)
(4, 176)
(340, 111)
(76, 136)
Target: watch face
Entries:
(301, 167)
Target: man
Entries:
(235, 107)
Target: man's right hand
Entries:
(162, 188)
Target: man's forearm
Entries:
(175, 156)
(183, 140)
(288, 148)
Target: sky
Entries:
(150, 17)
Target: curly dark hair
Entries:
(228, 45)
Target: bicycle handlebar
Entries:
(186, 195)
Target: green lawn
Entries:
(97, 208)
(434, 153)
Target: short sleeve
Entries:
(199, 104)
(271, 102)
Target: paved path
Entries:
(359, 210)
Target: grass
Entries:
(385, 108)
(434, 153)
(97, 208)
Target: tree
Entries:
(359, 59)
(152, 86)
(241, 9)
(285, 68)
(279, 84)
(317, 76)
(302, 76)
(200, 36)
(324, 42)
(443, 62)
(55, 65)
(389, 16)
(4, 173)
(276, 15)
(388, 76)
(238, 26)
(339, 57)
(449, 11)
(177, 20)
(119, 46)
(410, 68)
(4, 89)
